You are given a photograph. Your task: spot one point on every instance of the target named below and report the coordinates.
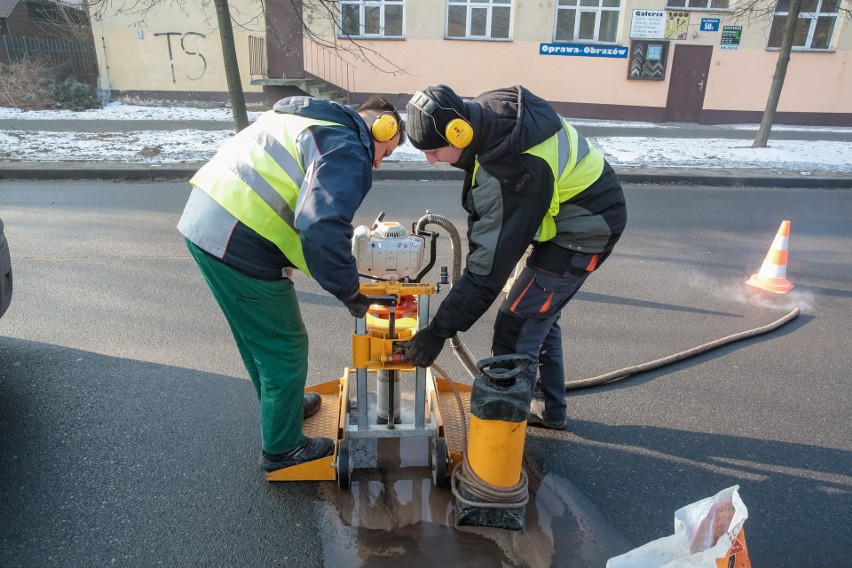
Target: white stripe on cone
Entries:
(773, 277)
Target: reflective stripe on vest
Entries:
(575, 165)
(256, 176)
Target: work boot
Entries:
(311, 402)
(552, 424)
(537, 416)
(309, 450)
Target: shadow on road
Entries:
(111, 461)
(638, 476)
(115, 462)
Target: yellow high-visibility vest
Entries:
(575, 165)
(257, 175)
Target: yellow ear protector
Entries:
(385, 127)
(458, 133)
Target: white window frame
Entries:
(362, 5)
(489, 5)
(597, 10)
(706, 8)
(814, 18)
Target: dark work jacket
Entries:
(509, 198)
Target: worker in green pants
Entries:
(281, 368)
(278, 197)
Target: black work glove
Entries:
(424, 347)
(358, 305)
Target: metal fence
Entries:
(69, 57)
(327, 64)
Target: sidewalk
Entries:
(408, 171)
(639, 152)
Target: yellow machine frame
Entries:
(372, 351)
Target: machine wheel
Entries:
(439, 461)
(343, 466)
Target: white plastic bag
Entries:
(708, 534)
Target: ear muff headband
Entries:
(458, 132)
(385, 127)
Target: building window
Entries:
(479, 19)
(371, 18)
(587, 20)
(699, 4)
(55, 13)
(814, 28)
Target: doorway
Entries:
(284, 39)
(688, 82)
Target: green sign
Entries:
(731, 37)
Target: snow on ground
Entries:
(797, 155)
(193, 146)
(140, 147)
(121, 111)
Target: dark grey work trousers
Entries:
(528, 320)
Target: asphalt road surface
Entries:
(129, 433)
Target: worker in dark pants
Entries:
(531, 180)
(278, 197)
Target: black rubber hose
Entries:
(441, 221)
(486, 495)
(461, 351)
(469, 363)
(656, 364)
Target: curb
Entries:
(710, 178)
(34, 171)
(107, 172)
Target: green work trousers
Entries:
(267, 325)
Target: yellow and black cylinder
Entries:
(491, 489)
(498, 427)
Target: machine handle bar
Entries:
(504, 367)
(390, 300)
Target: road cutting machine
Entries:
(390, 259)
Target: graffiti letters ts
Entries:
(188, 44)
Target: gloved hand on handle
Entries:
(423, 349)
(358, 305)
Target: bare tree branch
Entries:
(243, 20)
(359, 51)
(249, 21)
(755, 12)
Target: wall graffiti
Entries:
(187, 48)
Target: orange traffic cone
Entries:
(773, 273)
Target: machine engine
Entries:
(388, 251)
